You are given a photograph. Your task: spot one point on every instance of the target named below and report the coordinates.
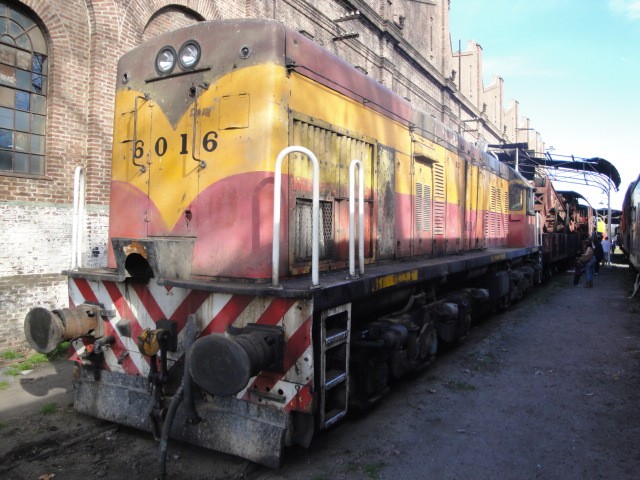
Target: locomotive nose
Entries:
(46, 329)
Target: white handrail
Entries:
(315, 209)
(78, 215)
(352, 255)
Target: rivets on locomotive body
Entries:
(245, 51)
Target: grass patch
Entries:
(23, 366)
(12, 371)
(48, 408)
(38, 358)
(10, 355)
(59, 352)
(4, 385)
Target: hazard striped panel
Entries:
(141, 306)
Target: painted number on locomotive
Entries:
(209, 144)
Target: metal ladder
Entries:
(335, 333)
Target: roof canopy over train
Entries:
(568, 168)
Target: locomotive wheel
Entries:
(505, 302)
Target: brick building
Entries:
(57, 81)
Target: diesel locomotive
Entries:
(288, 238)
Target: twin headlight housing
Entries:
(187, 57)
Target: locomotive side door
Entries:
(472, 239)
(386, 200)
(334, 148)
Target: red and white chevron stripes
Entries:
(143, 305)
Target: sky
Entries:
(574, 68)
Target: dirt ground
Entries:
(548, 390)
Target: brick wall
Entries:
(403, 45)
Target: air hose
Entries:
(185, 390)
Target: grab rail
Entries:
(315, 209)
(134, 146)
(78, 217)
(352, 256)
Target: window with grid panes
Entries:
(23, 90)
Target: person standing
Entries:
(586, 262)
(606, 248)
(598, 252)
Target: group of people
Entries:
(595, 250)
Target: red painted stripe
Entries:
(149, 302)
(275, 311)
(302, 402)
(297, 344)
(122, 306)
(263, 382)
(119, 349)
(229, 313)
(189, 305)
(85, 290)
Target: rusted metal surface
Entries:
(45, 329)
(230, 425)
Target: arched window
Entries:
(23, 90)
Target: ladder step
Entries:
(334, 377)
(335, 335)
(333, 416)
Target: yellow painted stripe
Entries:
(395, 279)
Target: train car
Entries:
(566, 224)
(629, 230)
(287, 239)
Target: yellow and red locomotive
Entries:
(232, 279)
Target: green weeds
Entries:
(49, 408)
(29, 363)
(10, 355)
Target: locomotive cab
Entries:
(524, 224)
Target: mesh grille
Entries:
(303, 244)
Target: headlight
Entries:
(189, 55)
(165, 60)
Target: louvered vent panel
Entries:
(438, 181)
(438, 199)
(419, 208)
(423, 207)
(492, 217)
(427, 207)
(505, 216)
